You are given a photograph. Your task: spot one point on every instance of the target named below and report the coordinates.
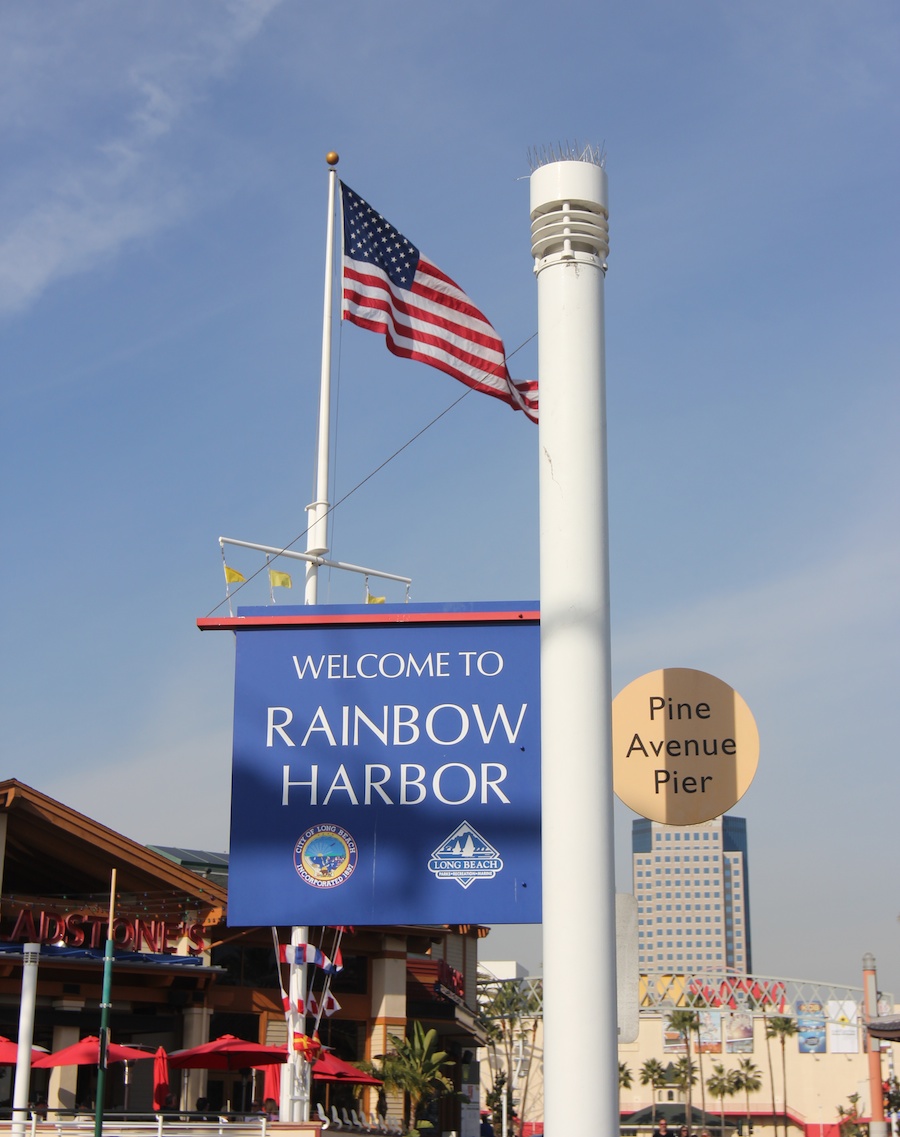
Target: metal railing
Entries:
(78, 1122)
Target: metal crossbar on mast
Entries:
(292, 554)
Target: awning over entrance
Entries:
(886, 1026)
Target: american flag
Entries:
(392, 288)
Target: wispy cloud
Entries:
(835, 617)
(88, 108)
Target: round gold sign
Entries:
(685, 746)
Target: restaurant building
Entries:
(183, 976)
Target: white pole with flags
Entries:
(569, 237)
(317, 511)
(294, 1104)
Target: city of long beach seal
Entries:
(325, 856)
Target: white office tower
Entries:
(692, 888)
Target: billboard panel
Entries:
(843, 1026)
(386, 767)
(810, 1027)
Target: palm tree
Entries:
(765, 1004)
(684, 1075)
(685, 1022)
(782, 1027)
(415, 1068)
(653, 1074)
(722, 1084)
(697, 1025)
(510, 1015)
(748, 1080)
(848, 1117)
(625, 1081)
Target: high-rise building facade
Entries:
(692, 888)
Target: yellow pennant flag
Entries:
(370, 599)
(279, 579)
(232, 576)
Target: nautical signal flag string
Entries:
(308, 1046)
(277, 580)
(370, 599)
(391, 287)
(294, 1007)
(298, 1004)
(325, 1004)
(309, 953)
(232, 576)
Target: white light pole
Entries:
(570, 244)
(30, 955)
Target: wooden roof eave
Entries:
(110, 847)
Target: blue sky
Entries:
(162, 215)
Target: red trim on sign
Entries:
(256, 623)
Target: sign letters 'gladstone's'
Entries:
(685, 746)
(387, 771)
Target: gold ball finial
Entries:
(332, 158)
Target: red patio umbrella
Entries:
(9, 1052)
(329, 1068)
(160, 1078)
(226, 1053)
(272, 1083)
(87, 1053)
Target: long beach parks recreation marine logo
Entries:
(465, 856)
(325, 856)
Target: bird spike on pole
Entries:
(566, 152)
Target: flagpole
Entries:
(317, 529)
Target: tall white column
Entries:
(570, 244)
(30, 955)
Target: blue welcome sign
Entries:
(386, 766)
